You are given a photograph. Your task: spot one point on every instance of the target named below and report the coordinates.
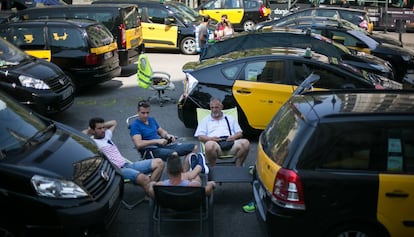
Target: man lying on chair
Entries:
(219, 132)
(101, 133)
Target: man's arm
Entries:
(111, 125)
(140, 143)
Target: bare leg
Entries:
(242, 147)
(143, 180)
(212, 152)
(157, 166)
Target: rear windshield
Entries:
(99, 35)
(277, 138)
(131, 18)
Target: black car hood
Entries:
(36, 68)
(389, 49)
(51, 159)
(385, 39)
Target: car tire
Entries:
(360, 230)
(188, 46)
(248, 25)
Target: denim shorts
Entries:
(164, 151)
(132, 170)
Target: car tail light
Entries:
(91, 59)
(123, 35)
(288, 191)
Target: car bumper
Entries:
(130, 56)
(186, 111)
(51, 103)
(92, 76)
(280, 222)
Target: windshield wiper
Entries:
(33, 139)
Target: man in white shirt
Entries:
(217, 127)
(137, 172)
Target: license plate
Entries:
(262, 193)
(114, 197)
(68, 92)
(108, 55)
(134, 43)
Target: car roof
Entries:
(316, 105)
(321, 7)
(257, 52)
(75, 22)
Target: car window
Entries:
(328, 79)
(373, 146)
(65, 38)
(266, 71)
(326, 13)
(104, 17)
(28, 37)
(10, 54)
(232, 71)
(157, 15)
(131, 18)
(99, 35)
(277, 140)
(248, 4)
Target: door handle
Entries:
(396, 194)
(243, 91)
(151, 28)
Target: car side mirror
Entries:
(169, 21)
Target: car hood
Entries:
(51, 159)
(392, 50)
(385, 39)
(37, 68)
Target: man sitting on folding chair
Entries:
(220, 132)
(191, 178)
(134, 171)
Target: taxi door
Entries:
(396, 189)
(216, 8)
(262, 91)
(160, 29)
(32, 41)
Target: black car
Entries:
(338, 163)
(53, 179)
(299, 39)
(122, 20)
(164, 26)
(84, 49)
(306, 22)
(401, 59)
(259, 81)
(34, 82)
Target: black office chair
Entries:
(181, 204)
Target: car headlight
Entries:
(56, 188)
(406, 57)
(32, 82)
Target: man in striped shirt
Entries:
(138, 171)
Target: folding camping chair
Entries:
(181, 204)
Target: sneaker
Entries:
(202, 163)
(193, 161)
(249, 207)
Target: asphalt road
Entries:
(117, 99)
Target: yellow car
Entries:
(243, 14)
(338, 163)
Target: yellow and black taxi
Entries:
(54, 180)
(338, 163)
(243, 14)
(34, 82)
(84, 49)
(259, 81)
(164, 25)
(122, 20)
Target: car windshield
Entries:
(191, 13)
(10, 55)
(19, 128)
(100, 35)
(185, 16)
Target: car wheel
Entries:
(359, 230)
(188, 46)
(248, 25)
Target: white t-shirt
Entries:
(110, 149)
(217, 128)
